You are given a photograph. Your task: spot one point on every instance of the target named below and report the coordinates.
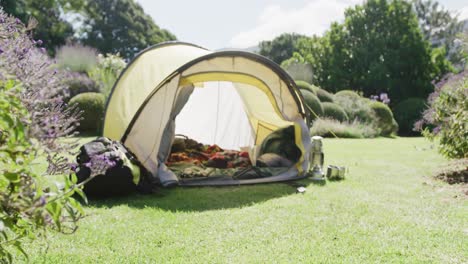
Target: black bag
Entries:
(118, 179)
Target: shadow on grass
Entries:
(193, 199)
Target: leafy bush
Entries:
(334, 111)
(385, 120)
(330, 128)
(406, 113)
(92, 106)
(29, 202)
(447, 116)
(80, 83)
(33, 121)
(348, 93)
(313, 104)
(76, 58)
(302, 85)
(107, 71)
(357, 108)
(42, 91)
(324, 96)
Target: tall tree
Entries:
(280, 48)
(379, 48)
(438, 25)
(120, 26)
(51, 26)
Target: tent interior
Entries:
(215, 116)
(196, 117)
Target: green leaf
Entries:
(12, 177)
(80, 192)
(19, 247)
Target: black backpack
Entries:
(118, 180)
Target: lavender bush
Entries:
(447, 116)
(43, 91)
(33, 123)
(79, 83)
(77, 58)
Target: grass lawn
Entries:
(389, 209)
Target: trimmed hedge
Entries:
(334, 111)
(302, 85)
(313, 103)
(385, 121)
(92, 106)
(357, 108)
(330, 128)
(406, 113)
(348, 93)
(325, 96)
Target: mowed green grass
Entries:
(388, 210)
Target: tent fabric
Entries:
(231, 98)
(138, 80)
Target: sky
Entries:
(216, 24)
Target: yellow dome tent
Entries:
(231, 98)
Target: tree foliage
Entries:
(45, 18)
(120, 26)
(437, 24)
(111, 26)
(280, 48)
(379, 48)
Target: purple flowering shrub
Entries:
(34, 123)
(30, 203)
(383, 97)
(447, 116)
(42, 93)
(79, 83)
(77, 58)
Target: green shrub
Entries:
(313, 104)
(302, 85)
(334, 111)
(357, 108)
(348, 93)
(92, 107)
(447, 116)
(31, 203)
(385, 120)
(330, 128)
(324, 96)
(107, 71)
(406, 113)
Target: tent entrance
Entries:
(214, 114)
(215, 138)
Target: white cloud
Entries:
(314, 18)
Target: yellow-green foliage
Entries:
(302, 85)
(385, 120)
(324, 96)
(92, 107)
(313, 104)
(334, 111)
